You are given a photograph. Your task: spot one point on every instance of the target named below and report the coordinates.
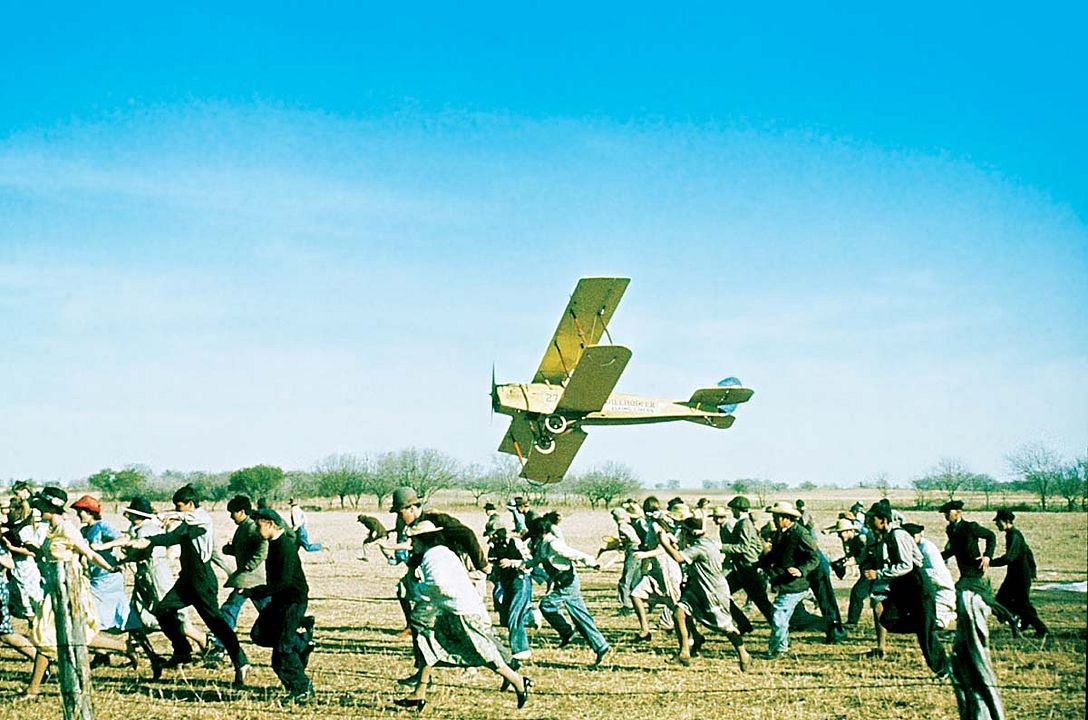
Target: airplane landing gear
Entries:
(556, 424)
(545, 445)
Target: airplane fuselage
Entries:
(620, 408)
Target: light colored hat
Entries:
(784, 507)
(721, 512)
(620, 515)
(422, 527)
(841, 526)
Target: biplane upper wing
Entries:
(593, 379)
(550, 468)
(583, 322)
(709, 399)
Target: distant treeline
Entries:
(347, 479)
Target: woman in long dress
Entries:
(706, 595)
(456, 630)
(63, 543)
(107, 587)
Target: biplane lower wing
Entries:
(709, 399)
(550, 468)
(715, 421)
(518, 439)
(593, 379)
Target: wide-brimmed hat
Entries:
(88, 503)
(679, 511)
(404, 497)
(49, 499)
(783, 507)
(841, 526)
(913, 528)
(269, 515)
(1005, 515)
(721, 512)
(951, 505)
(423, 527)
(740, 503)
(620, 515)
(139, 506)
(856, 506)
(489, 506)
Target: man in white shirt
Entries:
(298, 527)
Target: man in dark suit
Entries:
(1015, 591)
(963, 537)
(283, 624)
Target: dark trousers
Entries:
(819, 580)
(751, 581)
(858, 595)
(277, 628)
(911, 606)
(1015, 596)
(198, 589)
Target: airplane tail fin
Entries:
(729, 382)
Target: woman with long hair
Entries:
(455, 627)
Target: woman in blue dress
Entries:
(107, 588)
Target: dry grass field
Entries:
(359, 657)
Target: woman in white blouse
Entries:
(457, 629)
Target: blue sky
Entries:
(278, 234)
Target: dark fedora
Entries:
(951, 505)
(740, 503)
(49, 499)
(139, 506)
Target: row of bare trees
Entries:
(1035, 468)
(349, 478)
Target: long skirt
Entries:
(43, 625)
(461, 641)
(5, 616)
(110, 601)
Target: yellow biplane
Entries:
(573, 389)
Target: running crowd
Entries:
(690, 562)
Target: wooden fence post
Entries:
(73, 666)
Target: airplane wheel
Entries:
(545, 445)
(556, 424)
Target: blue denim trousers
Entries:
(232, 606)
(569, 598)
(784, 605)
(517, 603)
(304, 541)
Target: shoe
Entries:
(684, 660)
(213, 656)
(240, 675)
(941, 676)
(100, 660)
(600, 655)
(300, 698)
(523, 695)
(697, 644)
(876, 653)
(156, 667)
(416, 704)
(412, 681)
(175, 661)
(835, 637)
(566, 640)
(644, 637)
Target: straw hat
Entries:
(784, 507)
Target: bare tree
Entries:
(1037, 466)
(606, 483)
(985, 484)
(342, 476)
(1072, 483)
(424, 470)
(949, 476)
